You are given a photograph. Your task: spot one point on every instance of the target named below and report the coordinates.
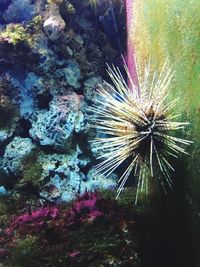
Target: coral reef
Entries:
(14, 34)
(54, 56)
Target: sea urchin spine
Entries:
(137, 126)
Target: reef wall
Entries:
(53, 57)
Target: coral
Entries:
(32, 86)
(35, 219)
(63, 175)
(18, 46)
(3, 190)
(53, 80)
(94, 181)
(19, 11)
(6, 92)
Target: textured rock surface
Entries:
(55, 56)
(90, 85)
(15, 152)
(55, 127)
(70, 74)
(3, 191)
(54, 24)
(67, 176)
(19, 11)
(5, 135)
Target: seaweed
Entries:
(8, 110)
(32, 171)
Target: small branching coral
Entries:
(136, 123)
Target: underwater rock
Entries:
(27, 90)
(19, 11)
(63, 173)
(5, 134)
(79, 39)
(97, 182)
(34, 83)
(67, 176)
(90, 86)
(51, 67)
(54, 25)
(71, 74)
(3, 191)
(15, 152)
(8, 109)
(55, 127)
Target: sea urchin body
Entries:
(137, 123)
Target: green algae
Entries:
(9, 111)
(170, 30)
(26, 251)
(18, 35)
(125, 235)
(15, 34)
(32, 170)
(7, 122)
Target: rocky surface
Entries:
(54, 25)
(15, 152)
(19, 11)
(53, 55)
(70, 174)
(55, 126)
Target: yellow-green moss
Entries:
(26, 251)
(9, 111)
(170, 30)
(15, 33)
(32, 170)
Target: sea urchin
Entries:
(136, 123)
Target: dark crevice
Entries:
(43, 101)
(25, 126)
